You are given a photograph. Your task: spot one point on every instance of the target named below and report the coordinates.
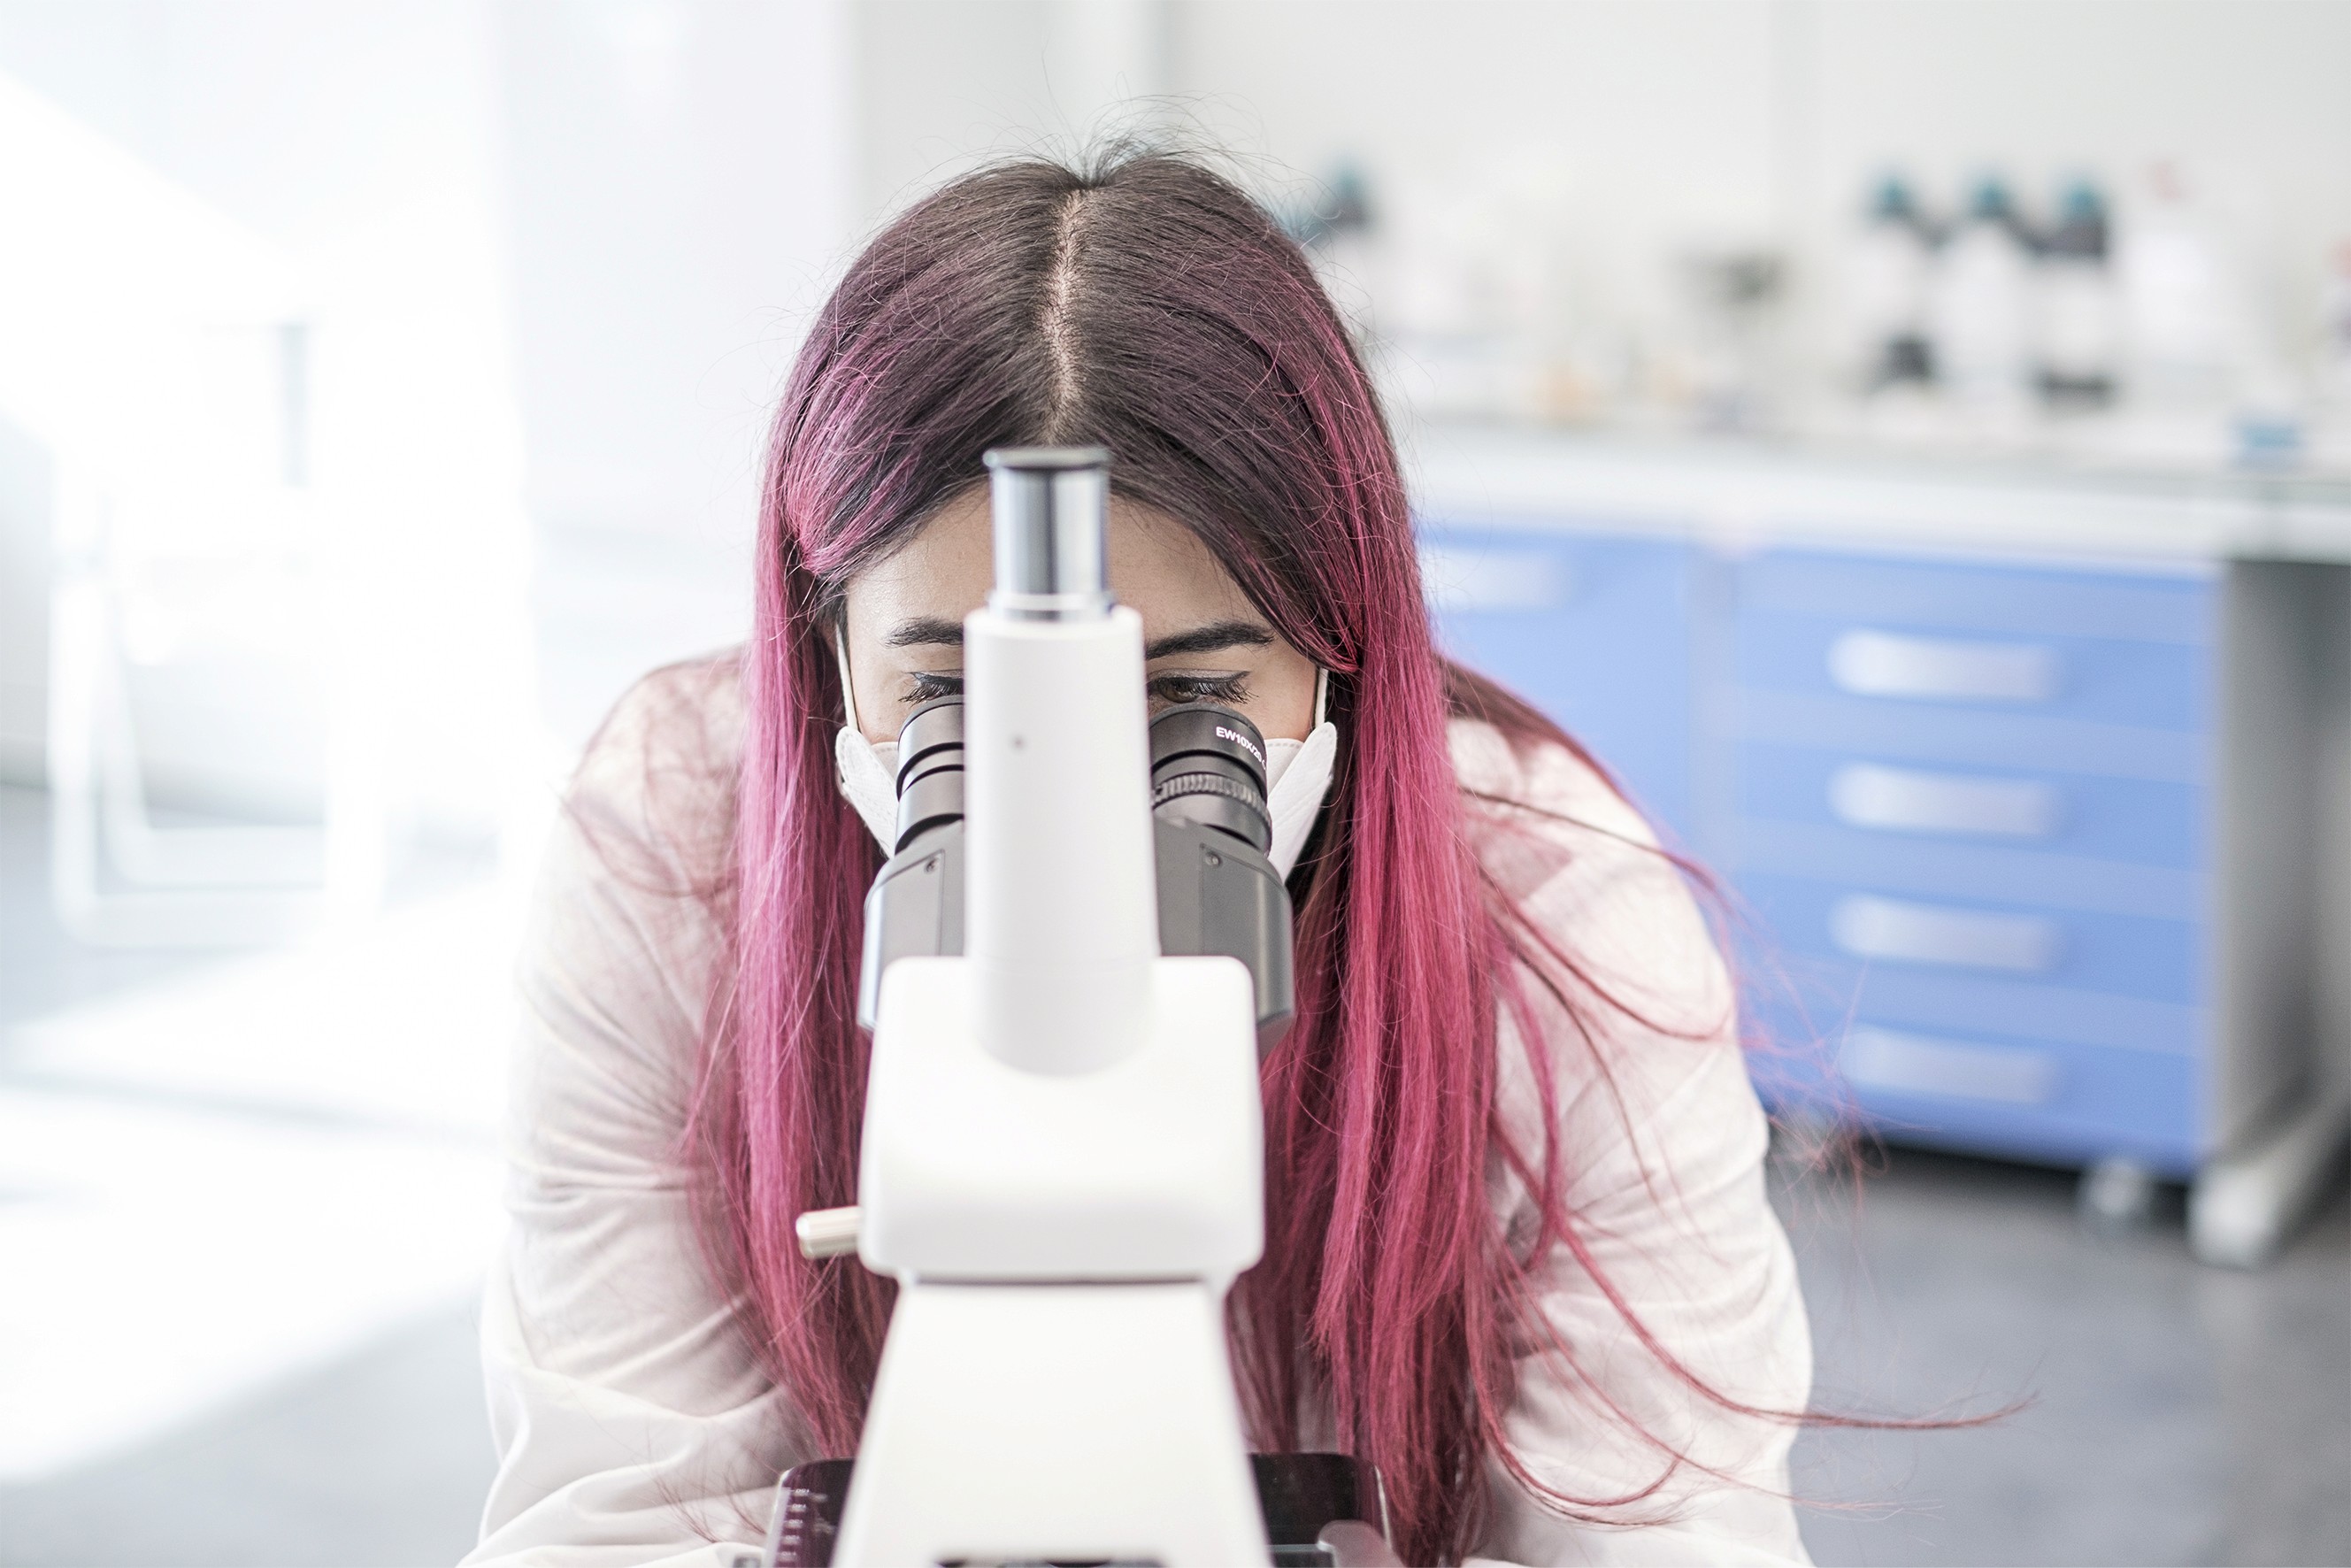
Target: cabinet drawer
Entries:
(1593, 631)
(2041, 1099)
(2021, 947)
(1870, 655)
(1992, 602)
(2000, 665)
(1971, 873)
(1901, 799)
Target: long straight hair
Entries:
(1148, 305)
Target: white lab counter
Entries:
(1740, 493)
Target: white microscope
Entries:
(1074, 958)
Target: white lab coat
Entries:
(636, 1427)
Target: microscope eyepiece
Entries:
(1207, 766)
(1050, 506)
(930, 769)
(1218, 893)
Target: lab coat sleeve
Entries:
(634, 1426)
(1662, 1143)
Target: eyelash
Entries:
(928, 686)
(1170, 689)
(1173, 689)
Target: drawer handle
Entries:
(1465, 578)
(1864, 795)
(1881, 665)
(1908, 1064)
(1870, 927)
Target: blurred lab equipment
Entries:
(1061, 1160)
(1887, 273)
(2125, 327)
(2185, 326)
(2334, 329)
(251, 601)
(2077, 316)
(2131, 337)
(1338, 211)
(2048, 859)
(1978, 300)
(1734, 294)
(162, 357)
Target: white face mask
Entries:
(1297, 779)
(1297, 775)
(868, 782)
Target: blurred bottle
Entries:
(1733, 295)
(2182, 323)
(1336, 228)
(1979, 301)
(1886, 275)
(2077, 314)
(1342, 208)
(2330, 405)
(2334, 320)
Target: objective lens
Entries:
(930, 768)
(1207, 766)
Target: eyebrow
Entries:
(936, 632)
(925, 631)
(1212, 638)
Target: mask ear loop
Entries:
(1321, 696)
(848, 690)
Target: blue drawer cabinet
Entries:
(1969, 805)
(1595, 630)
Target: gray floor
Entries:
(379, 1457)
(2175, 1414)
(377, 1462)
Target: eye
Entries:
(927, 686)
(930, 685)
(1173, 689)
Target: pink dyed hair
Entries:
(1150, 307)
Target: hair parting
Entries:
(1055, 319)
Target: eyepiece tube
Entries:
(1207, 765)
(930, 769)
(1050, 508)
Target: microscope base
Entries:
(1054, 1422)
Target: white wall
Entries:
(1643, 128)
(1639, 123)
(679, 184)
(941, 84)
(681, 179)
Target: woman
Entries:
(1517, 1251)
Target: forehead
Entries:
(1157, 564)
